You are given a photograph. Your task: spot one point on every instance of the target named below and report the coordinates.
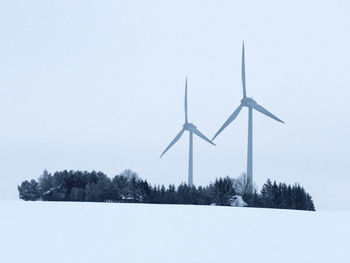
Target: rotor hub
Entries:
(248, 102)
(189, 126)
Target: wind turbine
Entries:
(250, 104)
(193, 130)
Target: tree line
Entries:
(129, 187)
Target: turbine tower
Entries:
(192, 130)
(250, 104)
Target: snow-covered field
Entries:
(104, 232)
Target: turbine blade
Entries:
(186, 101)
(198, 133)
(266, 112)
(243, 73)
(229, 120)
(178, 136)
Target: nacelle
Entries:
(189, 126)
(248, 102)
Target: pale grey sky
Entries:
(99, 85)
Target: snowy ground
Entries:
(103, 232)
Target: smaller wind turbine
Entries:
(192, 129)
(250, 104)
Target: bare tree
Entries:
(129, 174)
(242, 185)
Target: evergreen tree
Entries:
(223, 191)
(145, 192)
(99, 191)
(29, 191)
(309, 204)
(170, 196)
(267, 194)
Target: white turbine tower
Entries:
(192, 129)
(250, 104)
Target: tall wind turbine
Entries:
(192, 130)
(250, 104)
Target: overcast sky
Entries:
(99, 85)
